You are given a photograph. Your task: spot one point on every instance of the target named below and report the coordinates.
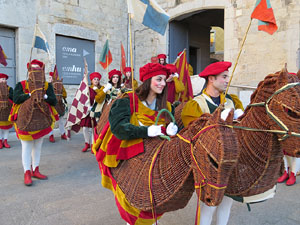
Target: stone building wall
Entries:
(98, 20)
(94, 20)
(262, 53)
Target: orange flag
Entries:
(123, 59)
(264, 13)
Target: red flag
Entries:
(123, 59)
(3, 57)
(184, 76)
(105, 57)
(55, 74)
(264, 13)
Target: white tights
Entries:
(87, 134)
(61, 126)
(31, 150)
(4, 134)
(290, 162)
(223, 212)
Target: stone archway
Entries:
(190, 28)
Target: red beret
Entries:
(215, 69)
(95, 74)
(172, 68)
(36, 62)
(153, 69)
(161, 56)
(127, 69)
(51, 74)
(114, 72)
(3, 75)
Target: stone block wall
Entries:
(98, 20)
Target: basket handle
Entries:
(157, 118)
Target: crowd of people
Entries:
(160, 88)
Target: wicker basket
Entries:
(260, 163)
(174, 172)
(34, 114)
(5, 104)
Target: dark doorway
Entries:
(192, 31)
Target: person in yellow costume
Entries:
(175, 86)
(217, 78)
(132, 119)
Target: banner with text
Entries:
(69, 58)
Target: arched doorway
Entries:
(192, 31)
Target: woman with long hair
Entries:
(131, 119)
(114, 85)
(127, 81)
(96, 97)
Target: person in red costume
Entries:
(162, 59)
(175, 86)
(5, 125)
(96, 96)
(32, 140)
(127, 81)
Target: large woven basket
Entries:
(260, 163)
(5, 104)
(34, 114)
(132, 177)
(104, 117)
(33, 117)
(60, 108)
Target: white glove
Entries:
(108, 86)
(95, 88)
(45, 96)
(224, 114)
(172, 129)
(122, 85)
(237, 113)
(175, 75)
(29, 94)
(154, 130)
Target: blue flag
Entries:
(149, 13)
(40, 40)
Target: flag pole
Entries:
(238, 57)
(33, 42)
(107, 56)
(131, 61)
